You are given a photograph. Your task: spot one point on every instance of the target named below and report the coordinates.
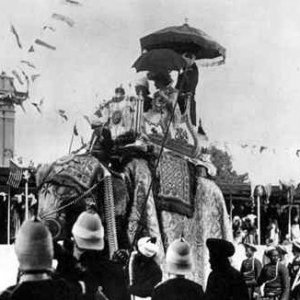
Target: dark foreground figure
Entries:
(101, 277)
(224, 282)
(34, 251)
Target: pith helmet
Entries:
(34, 246)
(179, 257)
(88, 231)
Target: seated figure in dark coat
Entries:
(34, 249)
(178, 263)
(224, 282)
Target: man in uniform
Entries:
(224, 282)
(34, 250)
(294, 270)
(275, 278)
(179, 263)
(100, 277)
(251, 268)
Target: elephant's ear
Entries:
(42, 173)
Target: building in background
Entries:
(9, 97)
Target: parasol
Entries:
(183, 39)
(159, 60)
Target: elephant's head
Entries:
(61, 187)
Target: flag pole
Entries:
(8, 216)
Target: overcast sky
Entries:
(252, 99)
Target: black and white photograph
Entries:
(149, 149)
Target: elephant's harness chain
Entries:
(91, 189)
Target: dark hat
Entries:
(220, 247)
(250, 246)
(281, 250)
(120, 90)
(296, 245)
(269, 250)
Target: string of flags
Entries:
(27, 71)
(259, 149)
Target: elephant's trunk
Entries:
(109, 213)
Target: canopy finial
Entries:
(186, 20)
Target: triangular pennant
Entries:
(44, 44)
(63, 18)
(13, 30)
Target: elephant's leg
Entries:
(139, 178)
(210, 220)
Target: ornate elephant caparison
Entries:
(181, 201)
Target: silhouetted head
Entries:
(219, 252)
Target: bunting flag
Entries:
(87, 119)
(31, 49)
(200, 128)
(15, 174)
(14, 32)
(49, 28)
(73, 2)
(17, 76)
(62, 113)
(75, 131)
(25, 75)
(63, 18)
(34, 77)
(262, 148)
(44, 44)
(28, 63)
(38, 105)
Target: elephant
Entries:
(130, 206)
